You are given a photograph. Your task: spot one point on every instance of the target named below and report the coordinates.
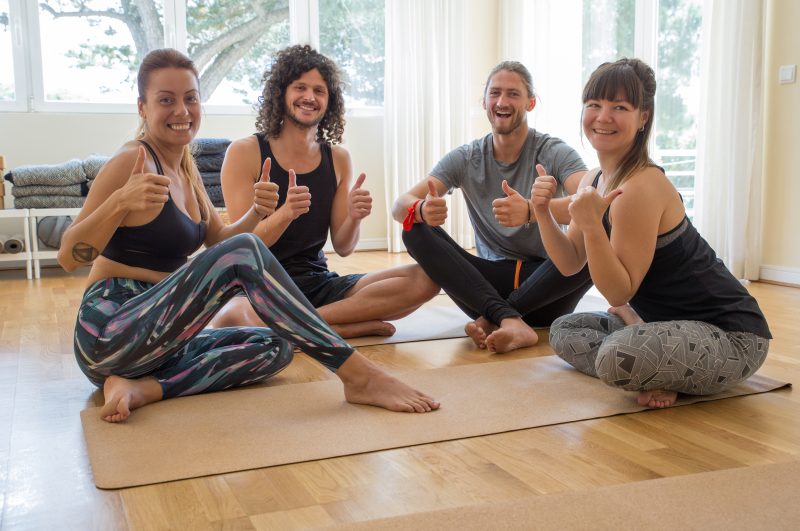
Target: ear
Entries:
(140, 106)
(531, 103)
(645, 117)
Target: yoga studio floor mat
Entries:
(265, 426)
(439, 318)
(756, 497)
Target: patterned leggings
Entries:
(132, 329)
(689, 357)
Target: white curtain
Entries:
(426, 111)
(536, 34)
(729, 146)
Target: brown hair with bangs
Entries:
(636, 82)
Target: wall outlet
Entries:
(787, 74)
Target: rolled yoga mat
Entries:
(14, 244)
(267, 425)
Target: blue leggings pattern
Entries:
(132, 329)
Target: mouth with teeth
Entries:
(503, 114)
(307, 107)
(180, 127)
(603, 132)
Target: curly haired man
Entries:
(300, 121)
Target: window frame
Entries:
(29, 75)
(19, 57)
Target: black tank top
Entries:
(686, 281)
(163, 244)
(299, 249)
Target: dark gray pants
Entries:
(689, 357)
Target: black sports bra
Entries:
(164, 244)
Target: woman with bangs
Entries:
(680, 322)
(140, 332)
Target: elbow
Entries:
(343, 251)
(66, 264)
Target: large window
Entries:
(351, 32)
(83, 54)
(666, 34)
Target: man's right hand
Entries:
(434, 209)
(144, 191)
(298, 199)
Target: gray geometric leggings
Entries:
(689, 357)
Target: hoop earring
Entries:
(641, 129)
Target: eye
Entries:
(166, 101)
(592, 105)
(320, 91)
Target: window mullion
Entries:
(304, 22)
(646, 46)
(175, 24)
(35, 74)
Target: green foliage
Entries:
(352, 33)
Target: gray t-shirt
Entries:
(472, 168)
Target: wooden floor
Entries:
(47, 482)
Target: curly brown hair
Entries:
(287, 66)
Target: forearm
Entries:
(560, 210)
(559, 247)
(86, 239)
(344, 239)
(607, 271)
(401, 206)
(247, 223)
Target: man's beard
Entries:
(303, 125)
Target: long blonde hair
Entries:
(169, 58)
(637, 83)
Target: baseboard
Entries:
(364, 244)
(780, 274)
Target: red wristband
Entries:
(411, 217)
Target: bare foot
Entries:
(513, 333)
(657, 399)
(364, 328)
(123, 396)
(364, 383)
(626, 313)
(477, 330)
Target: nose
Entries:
(605, 114)
(181, 109)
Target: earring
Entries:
(641, 129)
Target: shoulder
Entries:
(341, 164)
(648, 188)
(242, 160)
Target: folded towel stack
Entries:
(54, 185)
(209, 154)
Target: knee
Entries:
(237, 312)
(425, 287)
(616, 368)
(412, 238)
(285, 353)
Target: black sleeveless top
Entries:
(686, 281)
(163, 244)
(299, 249)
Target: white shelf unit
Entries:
(22, 216)
(37, 255)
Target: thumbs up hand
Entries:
(434, 208)
(359, 201)
(144, 191)
(543, 190)
(587, 206)
(265, 193)
(298, 198)
(512, 210)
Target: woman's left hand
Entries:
(265, 192)
(587, 207)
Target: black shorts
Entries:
(325, 287)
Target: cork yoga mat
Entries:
(265, 426)
(756, 497)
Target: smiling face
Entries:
(507, 102)
(307, 99)
(611, 126)
(171, 108)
